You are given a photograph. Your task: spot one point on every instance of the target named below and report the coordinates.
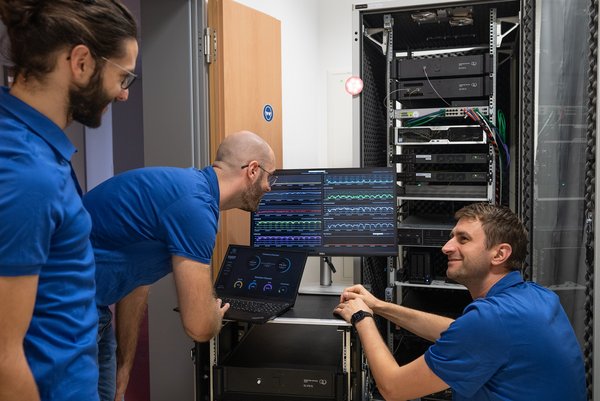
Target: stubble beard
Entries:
(466, 274)
(251, 198)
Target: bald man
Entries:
(149, 222)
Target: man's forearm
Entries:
(216, 321)
(16, 380)
(201, 312)
(204, 324)
(129, 314)
(426, 325)
(381, 361)
(17, 299)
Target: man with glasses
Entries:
(151, 221)
(128, 76)
(64, 56)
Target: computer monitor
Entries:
(329, 212)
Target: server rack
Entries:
(416, 61)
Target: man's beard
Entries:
(87, 104)
(251, 198)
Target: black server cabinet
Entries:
(441, 103)
(451, 87)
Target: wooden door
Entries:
(244, 77)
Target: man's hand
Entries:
(222, 308)
(359, 292)
(350, 307)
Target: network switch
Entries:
(442, 112)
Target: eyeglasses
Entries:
(271, 178)
(129, 78)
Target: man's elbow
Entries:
(200, 332)
(389, 391)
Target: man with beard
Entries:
(70, 59)
(513, 342)
(151, 221)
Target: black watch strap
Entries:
(358, 316)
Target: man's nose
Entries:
(448, 247)
(123, 95)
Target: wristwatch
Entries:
(358, 316)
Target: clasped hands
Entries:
(354, 299)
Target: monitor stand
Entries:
(325, 286)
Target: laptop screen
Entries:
(260, 273)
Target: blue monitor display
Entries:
(329, 212)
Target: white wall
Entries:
(315, 41)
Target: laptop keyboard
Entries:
(265, 308)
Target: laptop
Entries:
(259, 283)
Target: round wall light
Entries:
(354, 85)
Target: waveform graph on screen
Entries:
(359, 211)
(329, 212)
(290, 216)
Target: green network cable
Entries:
(502, 125)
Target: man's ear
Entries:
(252, 171)
(82, 64)
(501, 254)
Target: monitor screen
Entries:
(329, 212)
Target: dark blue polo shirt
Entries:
(44, 231)
(514, 344)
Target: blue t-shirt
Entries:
(142, 217)
(514, 344)
(44, 231)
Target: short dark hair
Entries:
(37, 30)
(500, 225)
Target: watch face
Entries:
(358, 316)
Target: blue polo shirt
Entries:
(44, 231)
(142, 217)
(514, 344)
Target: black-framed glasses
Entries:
(271, 178)
(129, 78)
